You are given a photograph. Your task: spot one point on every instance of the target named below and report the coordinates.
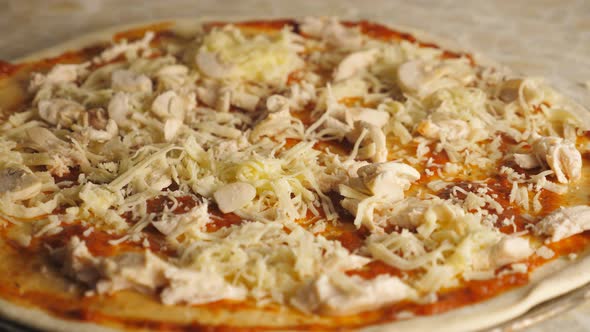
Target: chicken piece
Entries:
(60, 73)
(561, 156)
(526, 161)
(374, 141)
(509, 249)
(368, 115)
(144, 272)
(343, 295)
(563, 223)
(420, 78)
(354, 63)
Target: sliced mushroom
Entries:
(109, 131)
(18, 183)
(354, 63)
(349, 88)
(119, 109)
(388, 178)
(169, 105)
(412, 75)
(172, 76)
(509, 90)
(223, 103)
(244, 100)
(526, 91)
(210, 65)
(234, 196)
(171, 129)
(208, 95)
(59, 111)
(130, 81)
(223, 97)
(97, 118)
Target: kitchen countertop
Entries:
(546, 38)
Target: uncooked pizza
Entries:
(287, 174)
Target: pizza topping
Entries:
(60, 73)
(211, 66)
(388, 179)
(168, 105)
(545, 252)
(332, 32)
(376, 184)
(129, 81)
(18, 184)
(526, 161)
(228, 52)
(339, 294)
(353, 64)
(241, 253)
(372, 140)
(144, 272)
(564, 223)
(561, 156)
(509, 250)
(422, 78)
(234, 196)
(129, 50)
(119, 109)
(62, 112)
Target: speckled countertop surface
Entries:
(548, 38)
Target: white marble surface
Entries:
(548, 38)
